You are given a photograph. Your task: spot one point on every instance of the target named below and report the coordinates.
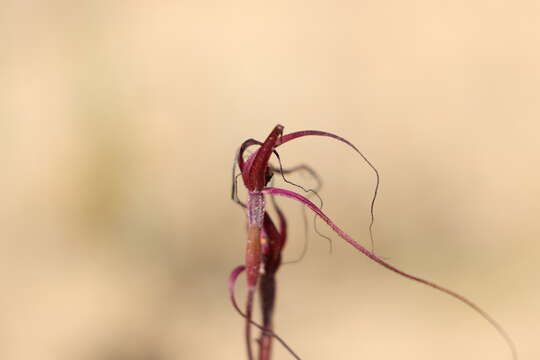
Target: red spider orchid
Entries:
(265, 241)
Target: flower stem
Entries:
(249, 311)
(268, 295)
(253, 264)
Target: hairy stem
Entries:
(253, 262)
(255, 214)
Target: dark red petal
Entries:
(247, 167)
(256, 179)
(282, 223)
(243, 148)
(272, 258)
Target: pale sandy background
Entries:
(118, 124)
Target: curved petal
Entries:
(256, 179)
(232, 285)
(243, 147)
(275, 242)
(282, 223)
(298, 134)
(363, 250)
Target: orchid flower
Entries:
(266, 241)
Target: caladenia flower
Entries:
(265, 240)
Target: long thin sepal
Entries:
(363, 250)
(298, 134)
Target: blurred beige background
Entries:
(118, 124)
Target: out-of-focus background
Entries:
(119, 121)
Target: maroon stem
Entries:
(253, 261)
(268, 296)
(265, 344)
(249, 313)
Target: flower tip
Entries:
(277, 130)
